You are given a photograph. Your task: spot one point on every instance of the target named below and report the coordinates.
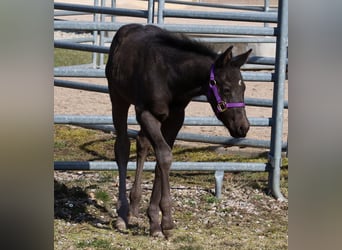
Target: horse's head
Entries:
(226, 92)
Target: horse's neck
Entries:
(199, 73)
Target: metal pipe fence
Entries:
(207, 33)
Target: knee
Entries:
(164, 158)
(143, 144)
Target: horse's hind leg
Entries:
(170, 129)
(143, 145)
(121, 149)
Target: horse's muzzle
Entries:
(239, 131)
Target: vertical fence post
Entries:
(113, 18)
(102, 34)
(266, 9)
(161, 6)
(150, 17)
(218, 183)
(278, 100)
(95, 19)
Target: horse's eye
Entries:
(226, 91)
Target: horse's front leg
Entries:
(160, 197)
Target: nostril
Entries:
(243, 130)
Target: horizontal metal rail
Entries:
(80, 85)
(184, 28)
(103, 10)
(236, 39)
(248, 100)
(270, 17)
(188, 121)
(190, 137)
(69, 13)
(87, 39)
(176, 166)
(104, 89)
(226, 6)
(235, 16)
(211, 39)
(99, 73)
(81, 47)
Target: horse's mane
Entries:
(184, 43)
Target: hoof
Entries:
(157, 234)
(167, 225)
(121, 225)
(167, 233)
(133, 212)
(133, 220)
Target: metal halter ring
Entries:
(221, 106)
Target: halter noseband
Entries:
(221, 104)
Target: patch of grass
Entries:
(64, 57)
(95, 243)
(86, 144)
(81, 144)
(67, 57)
(102, 195)
(210, 199)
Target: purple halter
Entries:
(221, 105)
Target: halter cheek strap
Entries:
(221, 104)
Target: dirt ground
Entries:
(70, 101)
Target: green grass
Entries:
(102, 195)
(66, 57)
(96, 244)
(85, 144)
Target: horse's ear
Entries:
(240, 60)
(224, 58)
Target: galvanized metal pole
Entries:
(218, 183)
(102, 34)
(113, 6)
(176, 166)
(278, 99)
(150, 15)
(161, 6)
(266, 9)
(95, 19)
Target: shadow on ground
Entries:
(72, 205)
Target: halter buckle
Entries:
(221, 106)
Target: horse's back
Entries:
(132, 38)
(130, 65)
